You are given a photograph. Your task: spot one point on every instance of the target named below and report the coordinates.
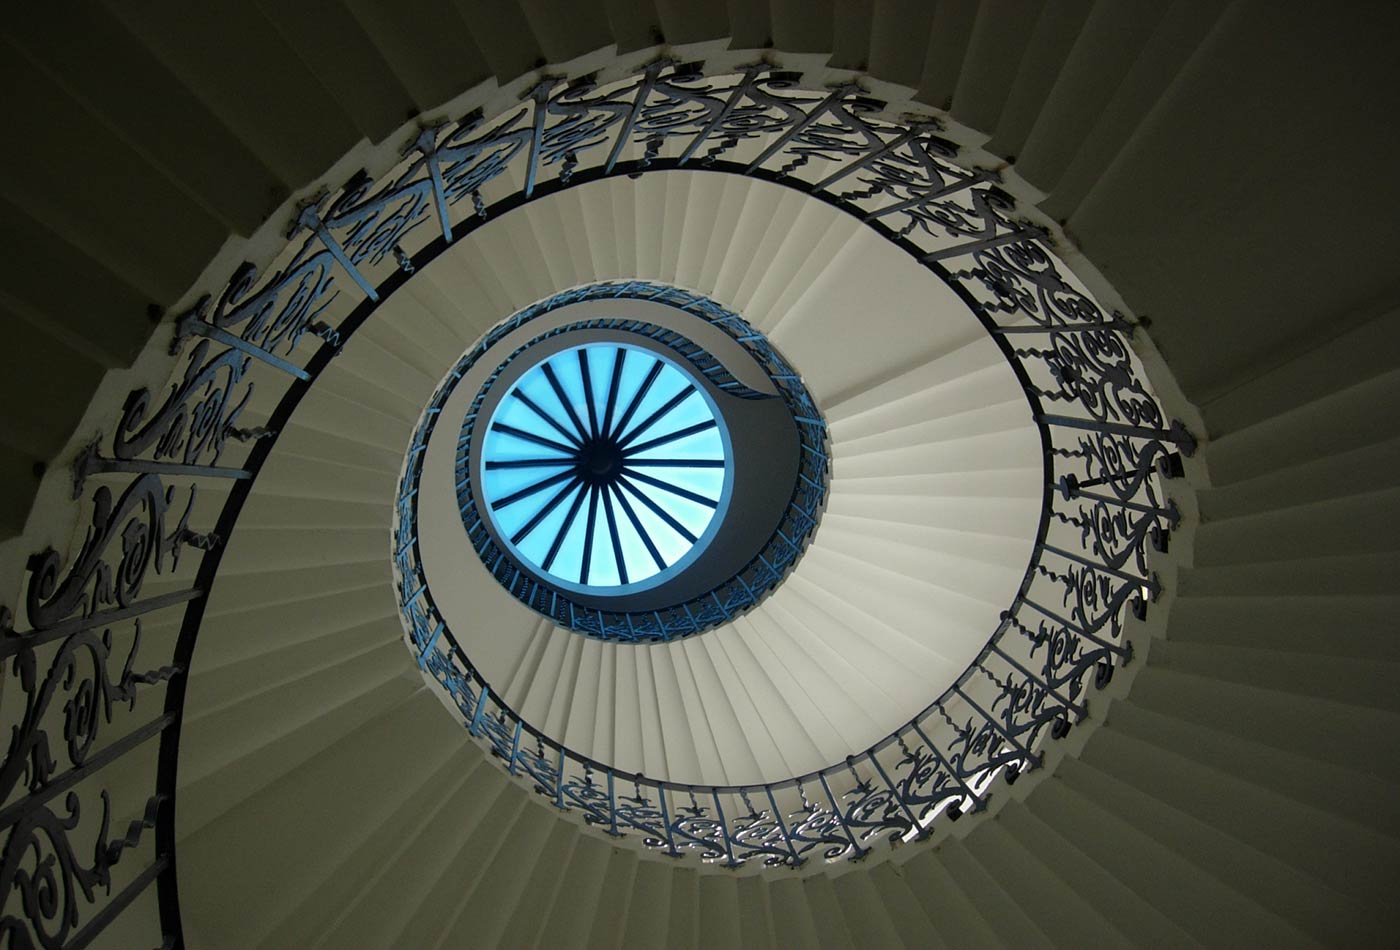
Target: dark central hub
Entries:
(600, 461)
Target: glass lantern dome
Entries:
(606, 468)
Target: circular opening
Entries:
(606, 468)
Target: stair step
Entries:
(647, 908)
(290, 476)
(1343, 627)
(1056, 30)
(865, 914)
(1340, 422)
(210, 55)
(1337, 733)
(1355, 681)
(1251, 317)
(271, 549)
(895, 28)
(1367, 799)
(1112, 38)
(149, 229)
(1012, 923)
(634, 24)
(433, 64)
(946, 903)
(568, 918)
(948, 39)
(347, 64)
(1211, 827)
(1110, 899)
(212, 691)
(1365, 471)
(207, 160)
(360, 877)
(1040, 889)
(210, 787)
(1334, 576)
(393, 880)
(479, 918)
(693, 21)
(832, 928)
(719, 911)
(750, 24)
(503, 36)
(850, 34)
(1328, 365)
(615, 904)
(58, 403)
(902, 907)
(683, 930)
(802, 26)
(265, 511)
(1190, 896)
(474, 843)
(1000, 37)
(546, 879)
(1183, 27)
(756, 921)
(567, 32)
(280, 810)
(238, 626)
(792, 920)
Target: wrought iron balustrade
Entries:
(78, 850)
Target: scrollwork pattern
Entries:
(53, 883)
(196, 418)
(79, 673)
(1109, 447)
(99, 577)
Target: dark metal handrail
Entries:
(1107, 443)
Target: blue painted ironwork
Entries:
(1100, 425)
(748, 586)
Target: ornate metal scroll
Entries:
(1109, 448)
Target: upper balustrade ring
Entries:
(704, 462)
(1108, 446)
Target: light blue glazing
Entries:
(606, 467)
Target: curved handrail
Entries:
(736, 594)
(1107, 443)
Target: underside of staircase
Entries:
(1221, 172)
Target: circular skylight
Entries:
(606, 468)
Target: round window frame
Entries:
(500, 391)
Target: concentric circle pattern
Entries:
(604, 432)
(605, 468)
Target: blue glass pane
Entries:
(566, 370)
(535, 546)
(569, 560)
(700, 445)
(635, 367)
(708, 482)
(664, 538)
(516, 414)
(600, 365)
(602, 566)
(662, 391)
(500, 483)
(692, 515)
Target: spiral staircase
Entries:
(1237, 787)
